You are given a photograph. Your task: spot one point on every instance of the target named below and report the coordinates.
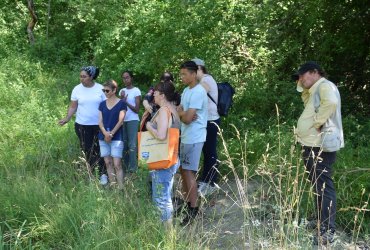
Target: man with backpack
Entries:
(319, 131)
(209, 174)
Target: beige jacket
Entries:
(315, 114)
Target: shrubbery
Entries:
(46, 198)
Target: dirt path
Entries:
(227, 224)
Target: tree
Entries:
(32, 23)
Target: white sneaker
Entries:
(207, 190)
(201, 186)
(104, 179)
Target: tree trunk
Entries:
(47, 24)
(32, 22)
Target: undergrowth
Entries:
(48, 201)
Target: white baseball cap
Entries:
(198, 61)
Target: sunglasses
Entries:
(106, 90)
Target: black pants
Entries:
(89, 143)
(210, 164)
(320, 172)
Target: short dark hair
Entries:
(189, 65)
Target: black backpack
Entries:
(225, 98)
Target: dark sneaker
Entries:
(325, 238)
(190, 216)
(181, 207)
(312, 224)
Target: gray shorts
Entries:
(190, 155)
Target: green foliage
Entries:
(47, 201)
(317, 32)
(13, 35)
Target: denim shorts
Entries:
(114, 148)
(190, 155)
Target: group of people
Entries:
(111, 121)
(107, 123)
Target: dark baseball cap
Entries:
(308, 66)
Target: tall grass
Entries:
(284, 200)
(48, 200)
(271, 210)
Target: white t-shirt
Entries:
(88, 100)
(213, 92)
(131, 95)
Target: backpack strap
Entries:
(210, 97)
(317, 99)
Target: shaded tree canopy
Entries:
(254, 44)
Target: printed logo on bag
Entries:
(145, 155)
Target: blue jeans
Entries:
(162, 182)
(129, 137)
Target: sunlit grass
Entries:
(48, 200)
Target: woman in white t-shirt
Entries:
(210, 163)
(132, 97)
(85, 100)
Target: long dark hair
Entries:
(203, 69)
(169, 91)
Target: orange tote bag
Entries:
(159, 154)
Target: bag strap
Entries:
(317, 99)
(210, 97)
(169, 113)
(143, 120)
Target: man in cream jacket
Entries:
(319, 131)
